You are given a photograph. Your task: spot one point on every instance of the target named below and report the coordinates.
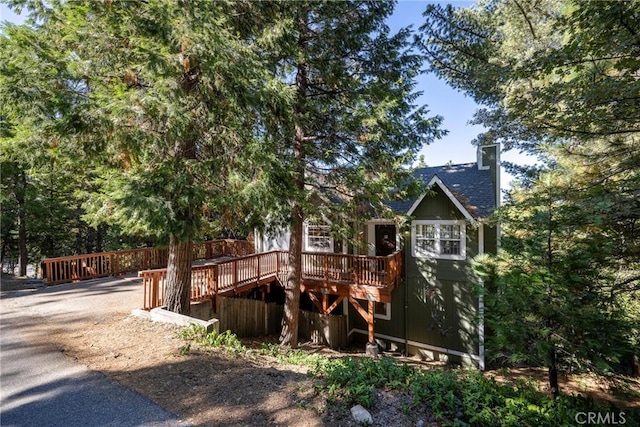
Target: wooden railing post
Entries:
(215, 279)
(326, 267)
(235, 275)
(259, 273)
(370, 317)
(356, 262)
(154, 290)
(145, 305)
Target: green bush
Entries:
(286, 354)
(455, 397)
(226, 340)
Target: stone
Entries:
(371, 350)
(361, 415)
(420, 423)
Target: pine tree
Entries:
(347, 127)
(157, 99)
(557, 80)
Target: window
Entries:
(382, 310)
(439, 239)
(318, 238)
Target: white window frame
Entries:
(436, 253)
(371, 234)
(307, 238)
(387, 312)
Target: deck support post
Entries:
(370, 322)
(368, 317)
(315, 301)
(335, 304)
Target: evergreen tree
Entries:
(542, 69)
(557, 80)
(553, 293)
(39, 185)
(347, 127)
(157, 99)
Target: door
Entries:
(385, 239)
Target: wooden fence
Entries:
(89, 266)
(325, 329)
(248, 318)
(251, 318)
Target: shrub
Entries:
(226, 340)
(455, 397)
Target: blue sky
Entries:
(456, 108)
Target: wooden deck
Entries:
(347, 276)
(90, 266)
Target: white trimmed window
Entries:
(382, 310)
(318, 238)
(438, 239)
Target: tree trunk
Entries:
(553, 365)
(553, 373)
(22, 244)
(89, 243)
(178, 285)
(291, 315)
(21, 190)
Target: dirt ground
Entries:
(213, 388)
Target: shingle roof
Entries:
(471, 186)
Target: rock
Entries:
(420, 423)
(361, 415)
(371, 350)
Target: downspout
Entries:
(406, 299)
(481, 302)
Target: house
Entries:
(435, 311)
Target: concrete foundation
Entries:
(166, 316)
(202, 310)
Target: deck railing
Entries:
(90, 266)
(234, 274)
(210, 279)
(354, 269)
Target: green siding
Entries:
(491, 239)
(436, 205)
(442, 304)
(439, 294)
(442, 313)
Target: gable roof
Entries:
(471, 187)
